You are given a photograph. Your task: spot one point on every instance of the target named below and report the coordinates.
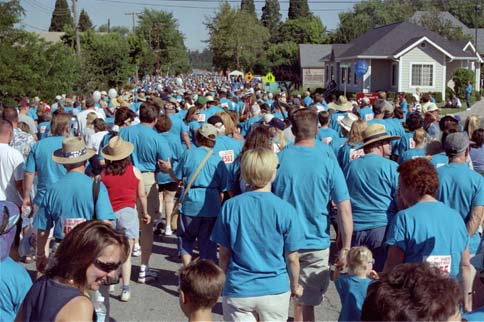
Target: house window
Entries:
(394, 74)
(422, 75)
(349, 75)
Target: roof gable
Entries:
(311, 55)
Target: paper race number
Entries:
(201, 117)
(227, 156)
(411, 143)
(368, 117)
(441, 262)
(68, 224)
(327, 140)
(356, 153)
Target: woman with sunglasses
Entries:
(90, 254)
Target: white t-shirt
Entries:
(11, 170)
(94, 140)
(82, 119)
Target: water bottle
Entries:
(99, 307)
(26, 212)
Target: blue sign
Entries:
(361, 67)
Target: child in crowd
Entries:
(352, 287)
(201, 284)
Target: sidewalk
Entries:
(476, 109)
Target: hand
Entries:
(41, 263)
(146, 218)
(165, 166)
(373, 275)
(27, 203)
(297, 291)
(341, 261)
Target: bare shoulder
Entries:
(137, 173)
(79, 308)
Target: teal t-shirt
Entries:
(245, 223)
(352, 292)
(347, 153)
(372, 183)
(326, 135)
(15, 282)
(439, 160)
(308, 177)
(177, 152)
(461, 189)
(411, 154)
(229, 149)
(416, 232)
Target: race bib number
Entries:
(68, 224)
(42, 129)
(411, 143)
(227, 156)
(201, 117)
(441, 262)
(275, 148)
(340, 117)
(327, 140)
(226, 105)
(368, 117)
(356, 153)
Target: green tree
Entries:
(10, 13)
(442, 26)
(237, 39)
(85, 22)
(271, 15)
(308, 30)
(249, 6)
(201, 59)
(61, 16)
(122, 30)
(160, 30)
(298, 9)
(460, 77)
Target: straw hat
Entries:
(347, 121)
(90, 118)
(73, 151)
(375, 133)
(341, 104)
(117, 149)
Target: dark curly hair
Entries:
(419, 175)
(412, 292)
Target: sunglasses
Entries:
(106, 267)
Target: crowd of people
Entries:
(252, 183)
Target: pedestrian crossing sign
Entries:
(269, 78)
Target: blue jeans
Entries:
(374, 239)
(192, 228)
(468, 99)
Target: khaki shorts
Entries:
(314, 276)
(152, 196)
(258, 308)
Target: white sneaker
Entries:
(111, 288)
(125, 295)
(136, 251)
(146, 276)
(168, 231)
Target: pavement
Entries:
(158, 300)
(476, 109)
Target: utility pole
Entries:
(477, 11)
(132, 14)
(109, 25)
(76, 28)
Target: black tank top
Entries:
(46, 298)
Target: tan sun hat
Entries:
(73, 151)
(117, 149)
(375, 133)
(347, 121)
(341, 104)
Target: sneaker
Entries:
(136, 251)
(168, 231)
(111, 288)
(146, 276)
(125, 294)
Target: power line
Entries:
(31, 26)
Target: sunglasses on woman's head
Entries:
(106, 267)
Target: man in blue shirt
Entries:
(468, 94)
(372, 183)
(70, 200)
(309, 189)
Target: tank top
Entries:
(46, 298)
(122, 189)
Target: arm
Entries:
(345, 225)
(186, 139)
(475, 219)
(224, 254)
(42, 237)
(293, 259)
(465, 268)
(79, 308)
(28, 182)
(165, 167)
(141, 195)
(395, 256)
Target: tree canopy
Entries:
(249, 6)
(298, 9)
(85, 22)
(61, 16)
(271, 15)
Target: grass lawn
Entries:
(445, 111)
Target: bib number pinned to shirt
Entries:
(327, 140)
(69, 224)
(441, 262)
(201, 117)
(356, 153)
(369, 117)
(227, 156)
(411, 143)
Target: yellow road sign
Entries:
(249, 77)
(270, 78)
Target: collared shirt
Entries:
(22, 142)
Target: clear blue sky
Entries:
(190, 14)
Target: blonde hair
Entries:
(473, 122)
(419, 136)
(227, 122)
(358, 259)
(355, 135)
(258, 167)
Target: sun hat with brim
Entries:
(91, 116)
(347, 121)
(448, 118)
(73, 151)
(9, 216)
(375, 133)
(208, 131)
(432, 107)
(117, 149)
(341, 104)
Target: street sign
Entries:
(345, 65)
(361, 67)
(269, 78)
(249, 77)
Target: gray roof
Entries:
(389, 40)
(312, 55)
(50, 36)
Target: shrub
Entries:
(460, 77)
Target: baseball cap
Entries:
(208, 131)
(456, 143)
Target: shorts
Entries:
(374, 239)
(258, 308)
(170, 186)
(196, 228)
(127, 222)
(313, 276)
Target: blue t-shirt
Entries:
(430, 232)
(43, 130)
(348, 153)
(203, 199)
(476, 315)
(404, 106)
(308, 177)
(247, 125)
(411, 154)
(308, 101)
(439, 159)
(352, 292)
(246, 222)
(326, 135)
(71, 198)
(40, 161)
(333, 121)
(192, 127)
(177, 126)
(228, 149)
(15, 282)
(461, 189)
(366, 113)
(135, 106)
(33, 113)
(149, 147)
(469, 88)
(227, 103)
(177, 152)
(372, 183)
(406, 143)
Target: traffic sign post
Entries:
(249, 77)
(269, 78)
